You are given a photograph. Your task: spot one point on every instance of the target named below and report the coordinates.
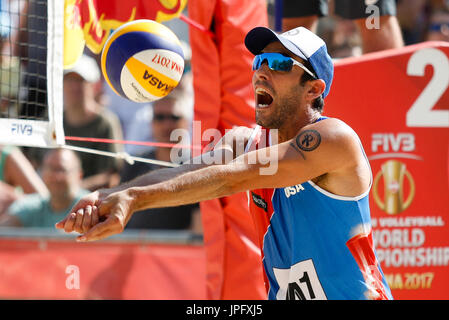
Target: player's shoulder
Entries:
(332, 128)
(333, 136)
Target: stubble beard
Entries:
(284, 108)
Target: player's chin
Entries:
(265, 111)
(263, 117)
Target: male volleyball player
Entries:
(312, 212)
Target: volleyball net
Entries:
(31, 73)
(39, 39)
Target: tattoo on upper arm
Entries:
(308, 140)
(294, 146)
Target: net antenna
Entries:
(31, 73)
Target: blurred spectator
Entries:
(423, 20)
(134, 127)
(170, 113)
(438, 29)
(29, 44)
(85, 117)
(5, 20)
(386, 35)
(17, 176)
(9, 73)
(31, 48)
(61, 172)
(413, 16)
(341, 37)
(9, 87)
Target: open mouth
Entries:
(263, 98)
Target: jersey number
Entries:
(300, 282)
(294, 291)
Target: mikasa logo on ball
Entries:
(157, 83)
(147, 79)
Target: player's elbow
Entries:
(231, 186)
(224, 183)
(236, 178)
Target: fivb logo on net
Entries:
(266, 157)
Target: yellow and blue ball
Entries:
(142, 60)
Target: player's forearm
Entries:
(205, 184)
(158, 176)
(212, 182)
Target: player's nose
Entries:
(263, 73)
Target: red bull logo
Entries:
(98, 18)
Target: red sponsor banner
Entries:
(61, 269)
(91, 22)
(398, 103)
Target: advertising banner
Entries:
(398, 103)
(62, 269)
(90, 22)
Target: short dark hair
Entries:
(318, 103)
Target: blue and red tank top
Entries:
(315, 244)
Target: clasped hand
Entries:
(98, 215)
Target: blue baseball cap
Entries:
(299, 41)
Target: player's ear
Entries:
(315, 88)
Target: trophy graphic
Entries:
(393, 173)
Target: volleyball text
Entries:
(157, 83)
(167, 63)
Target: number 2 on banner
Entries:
(421, 113)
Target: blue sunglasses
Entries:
(278, 62)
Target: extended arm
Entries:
(273, 167)
(223, 152)
(312, 153)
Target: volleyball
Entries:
(142, 61)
